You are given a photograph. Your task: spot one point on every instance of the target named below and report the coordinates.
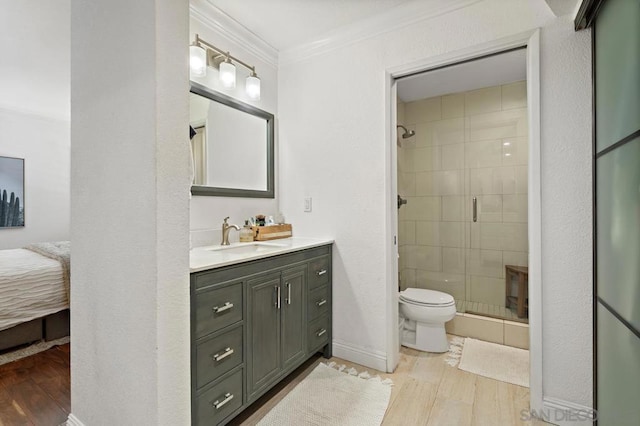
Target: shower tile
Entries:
(428, 258)
(487, 263)
(426, 159)
(448, 182)
(515, 151)
(516, 258)
(483, 154)
(508, 178)
(408, 278)
(427, 233)
(406, 232)
(482, 101)
(407, 184)
(452, 156)
(521, 180)
(487, 290)
(452, 234)
(453, 106)
(503, 236)
(423, 110)
(443, 132)
(485, 181)
(514, 95)
(514, 208)
(477, 327)
(453, 284)
(496, 125)
(453, 208)
(453, 260)
(422, 208)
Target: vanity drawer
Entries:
(215, 404)
(318, 302)
(218, 308)
(318, 333)
(217, 355)
(319, 271)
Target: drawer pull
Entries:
(322, 302)
(322, 272)
(321, 332)
(220, 357)
(227, 306)
(218, 404)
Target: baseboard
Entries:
(359, 355)
(562, 413)
(73, 421)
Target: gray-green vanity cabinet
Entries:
(252, 324)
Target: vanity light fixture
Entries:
(203, 54)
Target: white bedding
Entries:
(31, 286)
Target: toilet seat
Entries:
(424, 297)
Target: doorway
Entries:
(529, 45)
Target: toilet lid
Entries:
(421, 296)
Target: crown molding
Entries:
(218, 21)
(394, 19)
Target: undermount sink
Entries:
(247, 248)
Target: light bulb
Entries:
(227, 75)
(252, 87)
(197, 60)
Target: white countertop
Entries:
(216, 256)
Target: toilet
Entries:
(425, 313)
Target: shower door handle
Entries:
(475, 209)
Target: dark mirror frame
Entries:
(204, 91)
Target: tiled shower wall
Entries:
(466, 144)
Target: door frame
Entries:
(530, 40)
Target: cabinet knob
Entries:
(321, 332)
(322, 302)
(321, 272)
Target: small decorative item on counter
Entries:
(246, 233)
(270, 221)
(265, 233)
(260, 220)
(279, 218)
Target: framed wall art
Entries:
(11, 192)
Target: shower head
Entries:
(407, 133)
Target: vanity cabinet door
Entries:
(264, 331)
(293, 316)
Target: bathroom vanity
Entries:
(258, 311)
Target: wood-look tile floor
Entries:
(36, 390)
(426, 391)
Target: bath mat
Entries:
(31, 350)
(455, 350)
(495, 361)
(330, 396)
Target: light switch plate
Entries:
(307, 204)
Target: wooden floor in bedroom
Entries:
(36, 390)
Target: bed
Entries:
(34, 293)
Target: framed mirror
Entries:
(232, 145)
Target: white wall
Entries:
(207, 212)
(333, 147)
(43, 142)
(34, 114)
(129, 184)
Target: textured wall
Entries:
(333, 147)
(44, 144)
(130, 210)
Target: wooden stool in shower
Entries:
(522, 273)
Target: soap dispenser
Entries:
(246, 233)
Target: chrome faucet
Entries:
(225, 231)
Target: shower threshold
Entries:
(488, 310)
